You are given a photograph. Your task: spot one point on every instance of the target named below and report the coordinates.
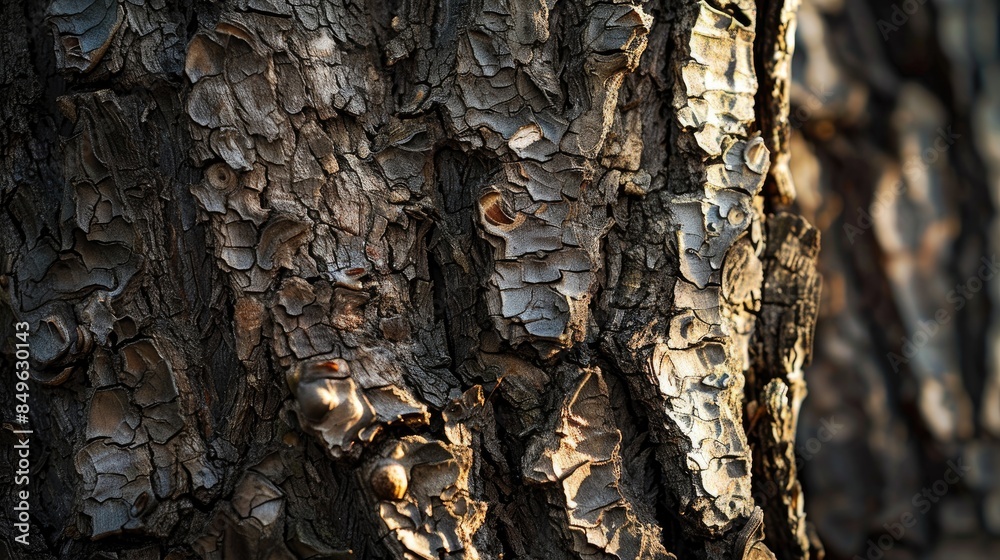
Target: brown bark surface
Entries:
(419, 279)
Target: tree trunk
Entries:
(425, 279)
(895, 157)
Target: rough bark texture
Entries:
(425, 279)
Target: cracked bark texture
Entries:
(417, 279)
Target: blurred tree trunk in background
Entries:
(501, 279)
(896, 156)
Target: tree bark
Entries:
(424, 279)
(894, 156)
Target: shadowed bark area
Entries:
(425, 279)
(894, 154)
